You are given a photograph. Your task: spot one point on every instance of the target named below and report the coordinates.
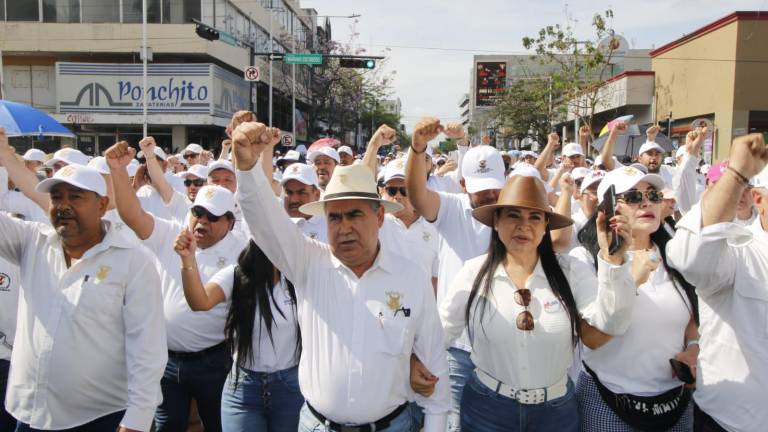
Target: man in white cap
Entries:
(290, 157)
(346, 156)
(66, 156)
(198, 361)
(90, 348)
(192, 153)
(195, 178)
(34, 159)
(363, 309)
(157, 193)
(324, 160)
(300, 187)
(462, 237)
(728, 265)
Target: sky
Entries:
(430, 43)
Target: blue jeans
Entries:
(109, 422)
(201, 378)
(7, 422)
(482, 409)
(460, 367)
(407, 421)
(261, 401)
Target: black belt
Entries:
(196, 354)
(379, 424)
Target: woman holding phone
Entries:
(634, 368)
(523, 307)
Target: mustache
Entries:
(322, 171)
(64, 214)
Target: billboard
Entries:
(491, 81)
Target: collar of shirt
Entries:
(400, 223)
(538, 272)
(111, 239)
(383, 261)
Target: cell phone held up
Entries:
(609, 208)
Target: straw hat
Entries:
(524, 192)
(349, 183)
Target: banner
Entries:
(491, 81)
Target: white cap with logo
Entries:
(395, 169)
(625, 178)
(216, 199)
(650, 145)
(482, 169)
(99, 163)
(36, 155)
(221, 164)
(197, 170)
(573, 149)
(79, 176)
(69, 156)
(193, 148)
(324, 151)
(302, 173)
(579, 173)
(591, 178)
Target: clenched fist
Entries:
(652, 132)
(249, 140)
(425, 131)
(147, 146)
(584, 131)
(454, 130)
(185, 243)
(620, 128)
(119, 155)
(554, 139)
(384, 135)
(749, 154)
(237, 119)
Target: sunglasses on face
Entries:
(190, 155)
(199, 212)
(524, 320)
(392, 191)
(636, 197)
(196, 182)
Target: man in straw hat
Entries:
(362, 309)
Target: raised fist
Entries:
(425, 131)
(147, 146)
(454, 130)
(748, 154)
(249, 140)
(384, 135)
(4, 146)
(584, 131)
(652, 131)
(238, 118)
(275, 135)
(567, 184)
(185, 243)
(620, 128)
(554, 139)
(120, 155)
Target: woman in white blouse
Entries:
(521, 304)
(262, 391)
(635, 367)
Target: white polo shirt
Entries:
(728, 264)
(268, 355)
(357, 333)
(152, 203)
(418, 242)
(315, 227)
(190, 331)
(89, 338)
(10, 285)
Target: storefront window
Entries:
(61, 11)
(180, 11)
(22, 10)
(100, 11)
(132, 11)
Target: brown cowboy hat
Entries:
(524, 192)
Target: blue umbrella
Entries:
(23, 120)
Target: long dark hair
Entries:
(253, 288)
(482, 287)
(588, 238)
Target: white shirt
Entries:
(315, 227)
(10, 279)
(90, 338)
(579, 220)
(447, 183)
(419, 242)
(356, 338)
(152, 203)
(177, 183)
(684, 182)
(280, 352)
(190, 331)
(728, 264)
(462, 237)
(541, 357)
(655, 335)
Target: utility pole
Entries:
(144, 62)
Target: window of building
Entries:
(181, 11)
(22, 10)
(100, 11)
(61, 11)
(132, 11)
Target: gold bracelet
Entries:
(188, 268)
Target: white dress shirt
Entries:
(685, 184)
(728, 264)
(10, 285)
(418, 242)
(541, 357)
(315, 227)
(89, 338)
(356, 337)
(462, 237)
(190, 331)
(268, 355)
(152, 203)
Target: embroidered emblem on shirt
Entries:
(393, 300)
(5, 282)
(552, 306)
(313, 235)
(426, 236)
(210, 193)
(67, 171)
(103, 272)
(221, 262)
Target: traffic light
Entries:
(357, 63)
(206, 32)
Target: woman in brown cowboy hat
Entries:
(522, 305)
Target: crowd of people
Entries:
(483, 290)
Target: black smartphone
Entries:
(683, 371)
(609, 208)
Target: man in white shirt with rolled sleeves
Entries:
(90, 346)
(728, 264)
(300, 186)
(362, 309)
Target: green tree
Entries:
(524, 110)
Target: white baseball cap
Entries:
(650, 145)
(572, 149)
(290, 155)
(599, 161)
(591, 178)
(36, 155)
(302, 173)
(69, 156)
(221, 164)
(99, 163)
(197, 170)
(625, 178)
(529, 153)
(395, 169)
(80, 176)
(482, 169)
(160, 153)
(761, 179)
(193, 148)
(216, 199)
(681, 151)
(527, 170)
(579, 172)
(324, 151)
(346, 149)
(132, 168)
